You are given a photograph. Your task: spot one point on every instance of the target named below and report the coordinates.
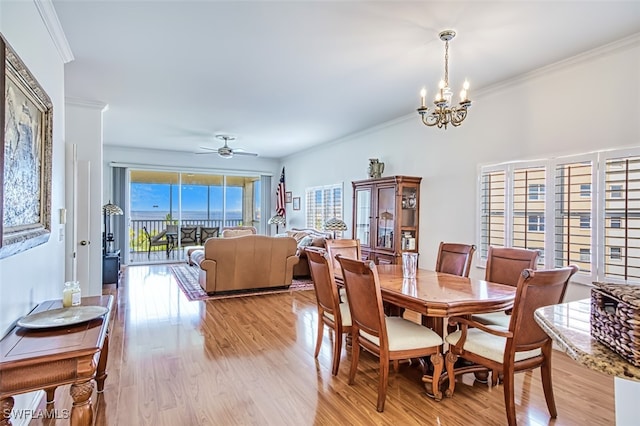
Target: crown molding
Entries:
(87, 103)
(626, 43)
(51, 21)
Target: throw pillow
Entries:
(305, 242)
(318, 242)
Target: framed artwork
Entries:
(296, 203)
(25, 158)
(287, 197)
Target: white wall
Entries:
(587, 103)
(35, 275)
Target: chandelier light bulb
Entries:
(423, 95)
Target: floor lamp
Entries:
(277, 220)
(334, 225)
(108, 210)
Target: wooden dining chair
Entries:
(455, 258)
(522, 346)
(331, 312)
(345, 248)
(504, 266)
(388, 338)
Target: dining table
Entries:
(438, 296)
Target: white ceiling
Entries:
(284, 76)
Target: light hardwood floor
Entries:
(249, 361)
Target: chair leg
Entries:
(320, 334)
(450, 360)
(355, 355)
(509, 402)
(337, 351)
(382, 383)
(547, 386)
(396, 365)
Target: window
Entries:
(585, 255)
(536, 223)
(528, 207)
(323, 203)
(585, 190)
(492, 210)
(616, 222)
(615, 253)
(615, 191)
(536, 191)
(585, 221)
(594, 204)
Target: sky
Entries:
(155, 197)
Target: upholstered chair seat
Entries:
(488, 345)
(405, 335)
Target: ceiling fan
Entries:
(226, 151)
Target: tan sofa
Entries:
(246, 262)
(317, 239)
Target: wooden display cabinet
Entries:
(386, 214)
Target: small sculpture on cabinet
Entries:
(375, 168)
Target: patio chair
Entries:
(157, 240)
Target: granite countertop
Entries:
(569, 324)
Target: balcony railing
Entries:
(139, 243)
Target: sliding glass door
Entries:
(168, 210)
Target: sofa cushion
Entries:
(319, 242)
(305, 242)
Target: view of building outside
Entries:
(596, 213)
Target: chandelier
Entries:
(444, 113)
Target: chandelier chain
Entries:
(446, 63)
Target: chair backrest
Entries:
(188, 234)
(208, 232)
(455, 258)
(535, 289)
(365, 300)
(156, 238)
(326, 289)
(345, 248)
(504, 265)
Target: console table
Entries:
(44, 359)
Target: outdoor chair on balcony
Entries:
(157, 240)
(188, 235)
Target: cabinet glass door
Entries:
(386, 198)
(362, 229)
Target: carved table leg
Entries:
(6, 405)
(82, 410)
(51, 393)
(101, 374)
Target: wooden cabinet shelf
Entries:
(386, 213)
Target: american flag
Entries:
(280, 194)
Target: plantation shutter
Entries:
(573, 215)
(622, 218)
(492, 210)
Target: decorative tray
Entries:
(62, 317)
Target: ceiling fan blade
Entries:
(251, 154)
(205, 153)
(209, 149)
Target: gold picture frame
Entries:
(25, 157)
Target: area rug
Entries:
(187, 278)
